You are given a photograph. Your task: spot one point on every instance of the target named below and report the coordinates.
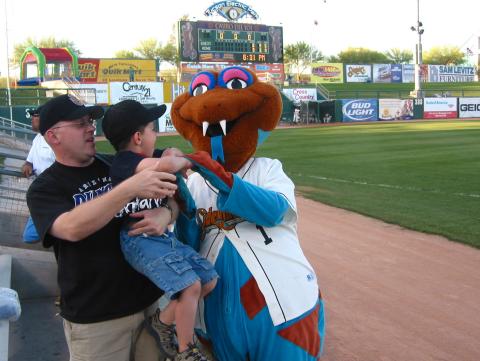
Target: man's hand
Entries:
(153, 222)
(27, 169)
(150, 183)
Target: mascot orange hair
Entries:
(240, 213)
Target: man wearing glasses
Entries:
(73, 208)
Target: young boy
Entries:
(174, 267)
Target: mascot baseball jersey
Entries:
(290, 286)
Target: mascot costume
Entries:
(241, 215)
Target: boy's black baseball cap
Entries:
(123, 119)
(65, 107)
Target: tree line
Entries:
(297, 57)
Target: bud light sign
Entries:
(359, 110)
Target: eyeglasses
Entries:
(83, 123)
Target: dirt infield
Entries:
(391, 294)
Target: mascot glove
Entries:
(211, 170)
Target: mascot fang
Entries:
(240, 213)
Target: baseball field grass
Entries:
(421, 175)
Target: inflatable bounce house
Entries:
(44, 64)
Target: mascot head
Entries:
(227, 114)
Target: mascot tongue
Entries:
(217, 148)
(217, 145)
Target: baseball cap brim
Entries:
(156, 112)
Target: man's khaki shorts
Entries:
(122, 339)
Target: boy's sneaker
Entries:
(163, 334)
(192, 353)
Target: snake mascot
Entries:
(241, 215)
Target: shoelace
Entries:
(196, 354)
(156, 315)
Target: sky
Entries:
(100, 28)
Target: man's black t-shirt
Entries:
(96, 282)
(123, 167)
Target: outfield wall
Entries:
(366, 110)
(389, 73)
(385, 109)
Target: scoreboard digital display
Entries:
(207, 41)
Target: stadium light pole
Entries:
(418, 55)
(8, 65)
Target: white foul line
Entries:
(414, 189)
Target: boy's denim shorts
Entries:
(170, 264)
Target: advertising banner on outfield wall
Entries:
(382, 73)
(359, 110)
(327, 73)
(395, 109)
(408, 73)
(88, 70)
(469, 107)
(143, 92)
(435, 108)
(101, 91)
(358, 73)
(298, 95)
(165, 124)
(396, 70)
(450, 74)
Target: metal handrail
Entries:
(323, 91)
(10, 155)
(15, 123)
(19, 130)
(14, 173)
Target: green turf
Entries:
(421, 175)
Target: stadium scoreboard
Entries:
(206, 41)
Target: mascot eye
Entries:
(199, 90)
(236, 83)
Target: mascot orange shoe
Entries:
(242, 216)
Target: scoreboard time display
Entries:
(207, 41)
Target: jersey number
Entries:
(268, 240)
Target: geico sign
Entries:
(470, 107)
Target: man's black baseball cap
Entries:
(123, 119)
(65, 107)
(35, 112)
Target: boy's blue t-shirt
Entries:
(123, 167)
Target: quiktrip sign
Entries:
(439, 108)
(469, 107)
(359, 110)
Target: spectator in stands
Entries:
(39, 158)
(103, 299)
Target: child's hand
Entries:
(173, 152)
